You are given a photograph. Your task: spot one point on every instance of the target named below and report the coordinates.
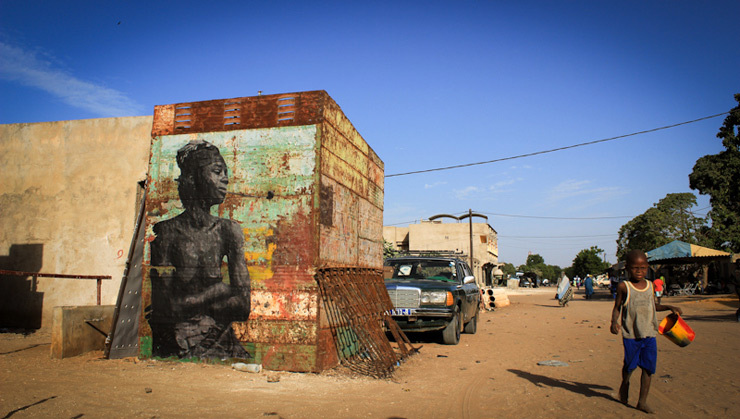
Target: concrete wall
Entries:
(76, 330)
(397, 236)
(431, 236)
(67, 205)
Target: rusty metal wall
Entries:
(307, 192)
(352, 178)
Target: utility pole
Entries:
(470, 223)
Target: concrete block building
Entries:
(454, 238)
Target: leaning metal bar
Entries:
(35, 275)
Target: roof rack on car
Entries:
(431, 253)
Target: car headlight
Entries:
(435, 297)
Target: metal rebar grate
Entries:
(357, 306)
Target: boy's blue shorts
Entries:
(641, 353)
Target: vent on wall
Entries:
(286, 109)
(232, 113)
(183, 116)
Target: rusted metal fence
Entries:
(37, 275)
(357, 306)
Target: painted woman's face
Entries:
(214, 178)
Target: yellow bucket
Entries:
(674, 328)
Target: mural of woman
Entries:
(193, 306)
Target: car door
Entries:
(471, 294)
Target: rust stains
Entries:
(296, 242)
(288, 109)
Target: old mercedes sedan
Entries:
(433, 294)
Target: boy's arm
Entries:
(621, 292)
(666, 307)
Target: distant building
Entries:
(434, 236)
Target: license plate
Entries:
(402, 311)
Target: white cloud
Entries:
(433, 185)
(581, 193)
(467, 192)
(499, 186)
(522, 167)
(28, 69)
(484, 193)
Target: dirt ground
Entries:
(493, 373)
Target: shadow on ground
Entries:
(588, 390)
(724, 317)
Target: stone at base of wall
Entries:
(79, 329)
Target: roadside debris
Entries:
(240, 366)
(552, 363)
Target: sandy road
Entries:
(492, 374)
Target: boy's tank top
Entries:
(638, 313)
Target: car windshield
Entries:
(440, 270)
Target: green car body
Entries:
(432, 294)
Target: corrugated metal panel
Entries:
(289, 109)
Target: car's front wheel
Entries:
(451, 333)
(472, 325)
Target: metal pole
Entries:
(470, 223)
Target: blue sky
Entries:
(427, 84)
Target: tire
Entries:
(451, 333)
(472, 326)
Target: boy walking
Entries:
(639, 325)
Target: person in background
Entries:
(613, 282)
(659, 284)
(589, 284)
(565, 291)
(735, 280)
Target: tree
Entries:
(534, 260)
(388, 250)
(536, 265)
(551, 272)
(508, 269)
(587, 261)
(670, 219)
(718, 175)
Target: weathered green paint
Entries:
(145, 346)
(348, 342)
(282, 357)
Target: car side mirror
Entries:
(468, 279)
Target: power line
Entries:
(543, 217)
(556, 149)
(558, 218)
(556, 237)
(403, 222)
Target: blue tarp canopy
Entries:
(682, 252)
